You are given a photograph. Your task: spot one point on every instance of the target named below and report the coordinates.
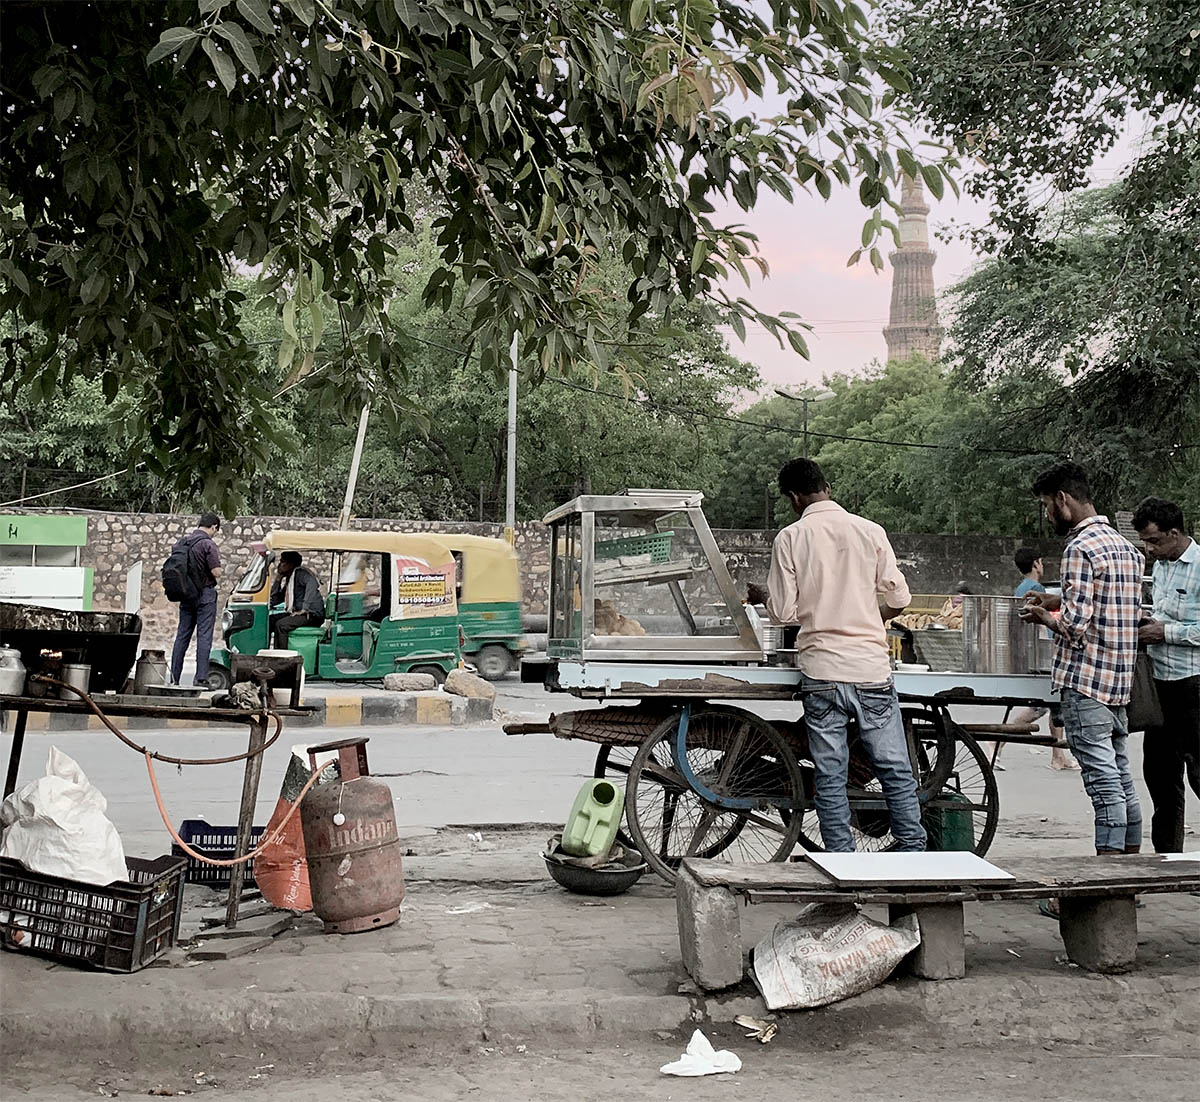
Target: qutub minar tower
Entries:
(913, 327)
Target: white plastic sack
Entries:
(56, 825)
(828, 952)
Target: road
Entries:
(477, 775)
(901, 1064)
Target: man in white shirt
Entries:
(835, 574)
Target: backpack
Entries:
(182, 577)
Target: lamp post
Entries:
(819, 396)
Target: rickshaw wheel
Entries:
(219, 678)
(493, 662)
(436, 672)
(735, 754)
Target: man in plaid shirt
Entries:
(1096, 638)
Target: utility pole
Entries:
(510, 489)
(352, 481)
(820, 396)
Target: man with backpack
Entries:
(190, 578)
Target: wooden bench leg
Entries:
(942, 952)
(1100, 933)
(710, 933)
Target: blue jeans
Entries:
(828, 708)
(198, 617)
(1099, 739)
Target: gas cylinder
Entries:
(354, 866)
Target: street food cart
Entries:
(645, 617)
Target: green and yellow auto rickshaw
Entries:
(489, 603)
(391, 606)
(386, 612)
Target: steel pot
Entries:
(997, 640)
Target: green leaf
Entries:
(289, 319)
(868, 231)
(318, 325)
(933, 180)
(546, 215)
(222, 63)
(305, 10)
(798, 343)
(408, 12)
(258, 14)
(169, 42)
(476, 293)
(236, 37)
(637, 13)
(854, 257)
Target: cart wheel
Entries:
(964, 812)
(614, 760)
(735, 754)
(961, 814)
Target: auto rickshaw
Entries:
(391, 606)
(489, 603)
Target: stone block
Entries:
(228, 948)
(409, 682)
(942, 952)
(480, 711)
(380, 709)
(1100, 933)
(710, 933)
(465, 683)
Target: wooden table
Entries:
(116, 708)
(1098, 915)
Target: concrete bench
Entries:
(1097, 908)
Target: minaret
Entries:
(913, 322)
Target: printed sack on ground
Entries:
(828, 952)
(56, 825)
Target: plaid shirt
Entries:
(1096, 635)
(1177, 606)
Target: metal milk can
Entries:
(151, 669)
(12, 672)
(354, 858)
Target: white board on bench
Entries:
(868, 869)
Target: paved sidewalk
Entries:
(488, 947)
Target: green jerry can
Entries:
(594, 820)
(951, 828)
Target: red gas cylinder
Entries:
(354, 866)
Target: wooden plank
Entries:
(1034, 878)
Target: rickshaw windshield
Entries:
(255, 574)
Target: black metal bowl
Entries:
(610, 880)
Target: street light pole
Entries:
(805, 402)
(510, 489)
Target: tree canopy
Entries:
(151, 149)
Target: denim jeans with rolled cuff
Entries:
(1099, 738)
(828, 708)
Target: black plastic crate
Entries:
(217, 842)
(117, 927)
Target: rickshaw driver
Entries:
(835, 574)
(296, 588)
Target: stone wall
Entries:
(116, 541)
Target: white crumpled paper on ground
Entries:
(702, 1059)
(56, 825)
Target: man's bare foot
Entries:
(1061, 760)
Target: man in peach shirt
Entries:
(835, 574)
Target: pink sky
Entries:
(807, 243)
